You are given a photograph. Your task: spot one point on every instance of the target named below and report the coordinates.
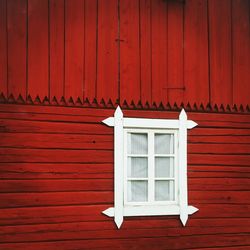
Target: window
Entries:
(150, 157)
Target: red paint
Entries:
(136, 50)
(56, 162)
(3, 47)
(57, 60)
(74, 48)
(38, 48)
(220, 40)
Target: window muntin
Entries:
(181, 208)
(150, 167)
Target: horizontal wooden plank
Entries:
(56, 141)
(208, 213)
(195, 184)
(55, 198)
(57, 155)
(218, 132)
(53, 127)
(70, 198)
(244, 139)
(81, 230)
(219, 184)
(52, 214)
(225, 148)
(219, 197)
(10, 186)
(182, 242)
(55, 171)
(206, 159)
(61, 113)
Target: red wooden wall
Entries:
(149, 50)
(56, 170)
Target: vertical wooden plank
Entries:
(38, 51)
(159, 51)
(241, 51)
(220, 42)
(56, 25)
(175, 51)
(196, 52)
(17, 32)
(74, 48)
(107, 61)
(129, 50)
(145, 50)
(90, 48)
(3, 47)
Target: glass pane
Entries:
(164, 143)
(137, 167)
(137, 190)
(164, 167)
(137, 143)
(164, 190)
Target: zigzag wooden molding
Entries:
(80, 102)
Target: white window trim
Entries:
(120, 210)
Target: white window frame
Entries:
(122, 209)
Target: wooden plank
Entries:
(196, 52)
(17, 46)
(74, 48)
(62, 185)
(53, 127)
(129, 51)
(208, 215)
(56, 49)
(225, 149)
(219, 184)
(38, 171)
(220, 44)
(145, 50)
(55, 198)
(160, 41)
(220, 139)
(38, 48)
(57, 156)
(175, 51)
(3, 47)
(51, 232)
(107, 50)
(219, 197)
(56, 141)
(239, 160)
(241, 51)
(90, 58)
(53, 214)
(222, 240)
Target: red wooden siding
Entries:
(149, 50)
(56, 171)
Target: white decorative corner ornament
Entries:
(119, 210)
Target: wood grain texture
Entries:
(38, 48)
(3, 47)
(17, 25)
(160, 41)
(56, 171)
(107, 50)
(56, 49)
(196, 68)
(220, 39)
(129, 51)
(143, 50)
(175, 51)
(74, 48)
(241, 50)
